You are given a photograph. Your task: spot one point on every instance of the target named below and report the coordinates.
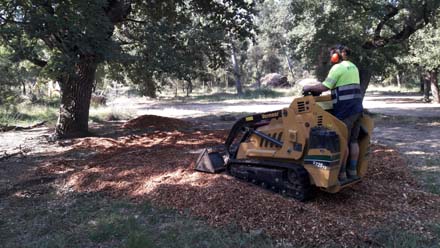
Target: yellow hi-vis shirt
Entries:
(343, 80)
(341, 74)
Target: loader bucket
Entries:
(210, 161)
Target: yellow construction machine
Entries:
(292, 151)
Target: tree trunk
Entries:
(422, 82)
(236, 70)
(189, 86)
(365, 77)
(398, 79)
(426, 86)
(258, 74)
(76, 92)
(226, 80)
(24, 88)
(258, 79)
(289, 64)
(434, 86)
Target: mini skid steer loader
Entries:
(291, 151)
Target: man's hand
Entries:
(307, 88)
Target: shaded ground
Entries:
(417, 139)
(155, 164)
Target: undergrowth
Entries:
(27, 113)
(105, 113)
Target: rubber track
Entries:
(304, 190)
(301, 190)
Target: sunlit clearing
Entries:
(415, 153)
(178, 177)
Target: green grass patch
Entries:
(27, 114)
(91, 220)
(394, 236)
(113, 226)
(430, 180)
(435, 228)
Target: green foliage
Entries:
(174, 37)
(425, 47)
(13, 75)
(269, 53)
(376, 31)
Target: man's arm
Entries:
(318, 88)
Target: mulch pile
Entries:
(157, 123)
(159, 167)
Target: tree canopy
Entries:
(375, 30)
(68, 39)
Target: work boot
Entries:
(342, 175)
(352, 170)
(352, 174)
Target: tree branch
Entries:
(37, 62)
(135, 21)
(410, 26)
(354, 2)
(392, 11)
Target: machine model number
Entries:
(319, 165)
(270, 115)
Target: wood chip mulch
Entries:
(156, 122)
(159, 167)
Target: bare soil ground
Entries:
(152, 159)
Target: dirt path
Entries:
(389, 105)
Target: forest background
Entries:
(60, 53)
